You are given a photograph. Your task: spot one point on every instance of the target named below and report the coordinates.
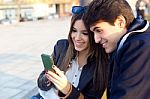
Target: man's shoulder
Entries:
(143, 33)
(136, 42)
(145, 36)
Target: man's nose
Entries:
(97, 38)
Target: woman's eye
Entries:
(85, 33)
(74, 30)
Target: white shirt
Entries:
(73, 73)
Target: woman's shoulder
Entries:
(61, 45)
(62, 42)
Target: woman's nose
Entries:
(78, 36)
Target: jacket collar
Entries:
(137, 26)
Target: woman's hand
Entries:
(59, 80)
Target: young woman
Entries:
(81, 68)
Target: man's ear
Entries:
(120, 22)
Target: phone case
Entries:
(47, 62)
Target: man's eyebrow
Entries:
(95, 28)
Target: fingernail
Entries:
(47, 75)
(53, 66)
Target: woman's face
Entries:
(80, 37)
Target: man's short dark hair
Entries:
(108, 10)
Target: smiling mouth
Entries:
(103, 44)
(78, 43)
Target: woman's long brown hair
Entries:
(96, 51)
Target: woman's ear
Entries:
(120, 22)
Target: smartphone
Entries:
(47, 62)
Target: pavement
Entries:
(21, 45)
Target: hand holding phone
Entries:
(47, 62)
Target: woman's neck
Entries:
(82, 58)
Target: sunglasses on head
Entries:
(78, 9)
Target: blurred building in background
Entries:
(22, 10)
(26, 10)
(84, 2)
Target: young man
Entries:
(127, 40)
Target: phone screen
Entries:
(47, 62)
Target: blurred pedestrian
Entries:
(140, 8)
(132, 3)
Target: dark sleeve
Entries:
(133, 78)
(88, 93)
(58, 54)
(43, 82)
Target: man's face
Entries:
(108, 35)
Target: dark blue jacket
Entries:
(130, 64)
(85, 85)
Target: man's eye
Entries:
(98, 31)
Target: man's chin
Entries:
(108, 51)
